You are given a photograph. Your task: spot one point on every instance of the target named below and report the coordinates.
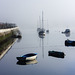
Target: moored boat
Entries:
(42, 33)
(69, 42)
(27, 57)
(47, 31)
(66, 31)
(56, 54)
(42, 30)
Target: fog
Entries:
(25, 13)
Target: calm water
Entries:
(44, 65)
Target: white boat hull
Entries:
(31, 58)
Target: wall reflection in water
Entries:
(5, 46)
(19, 39)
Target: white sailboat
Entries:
(42, 30)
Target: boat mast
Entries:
(42, 20)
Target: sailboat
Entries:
(42, 30)
(66, 31)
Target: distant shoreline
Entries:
(7, 25)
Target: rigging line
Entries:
(42, 20)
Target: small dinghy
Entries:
(69, 43)
(27, 57)
(66, 31)
(56, 54)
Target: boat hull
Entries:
(69, 43)
(56, 54)
(42, 33)
(31, 58)
(27, 57)
(21, 58)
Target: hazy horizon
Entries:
(25, 13)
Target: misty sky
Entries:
(25, 13)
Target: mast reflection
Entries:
(42, 43)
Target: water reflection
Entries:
(56, 54)
(19, 39)
(27, 62)
(5, 46)
(67, 34)
(42, 43)
(41, 36)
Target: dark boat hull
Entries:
(56, 54)
(69, 43)
(21, 58)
